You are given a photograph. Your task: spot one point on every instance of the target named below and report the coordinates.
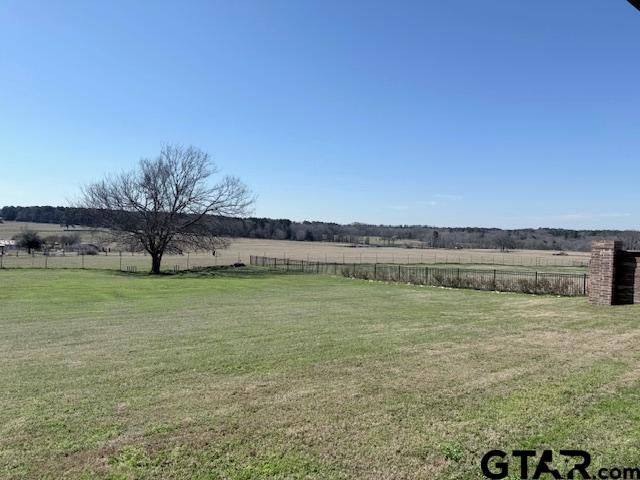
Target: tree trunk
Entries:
(156, 258)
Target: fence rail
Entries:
(116, 260)
(567, 284)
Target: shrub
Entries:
(29, 239)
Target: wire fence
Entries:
(240, 252)
(431, 256)
(571, 284)
(123, 261)
(566, 284)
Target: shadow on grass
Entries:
(223, 271)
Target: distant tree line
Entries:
(412, 236)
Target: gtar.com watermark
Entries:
(530, 464)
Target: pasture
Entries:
(253, 374)
(9, 229)
(240, 249)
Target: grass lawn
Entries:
(262, 375)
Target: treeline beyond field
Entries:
(414, 236)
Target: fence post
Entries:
(45, 260)
(188, 261)
(584, 284)
(407, 273)
(82, 256)
(120, 260)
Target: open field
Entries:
(242, 248)
(333, 252)
(116, 261)
(248, 374)
(9, 229)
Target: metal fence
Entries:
(567, 284)
(115, 261)
(429, 256)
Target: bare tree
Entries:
(29, 239)
(505, 242)
(168, 203)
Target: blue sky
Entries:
(493, 113)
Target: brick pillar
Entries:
(602, 272)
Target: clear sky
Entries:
(467, 113)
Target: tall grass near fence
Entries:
(567, 284)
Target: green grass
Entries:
(246, 374)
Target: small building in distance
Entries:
(6, 245)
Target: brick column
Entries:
(602, 271)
